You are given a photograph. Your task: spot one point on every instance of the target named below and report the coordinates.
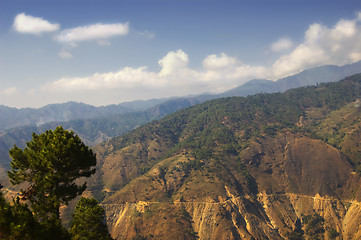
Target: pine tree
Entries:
(49, 165)
(89, 221)
(17, 221)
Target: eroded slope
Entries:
(239, 168)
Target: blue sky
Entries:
(105, 52)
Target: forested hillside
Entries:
(269, 166)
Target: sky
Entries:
(104, 52)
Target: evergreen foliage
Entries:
(89, 221)
(18, 222)
(49, 165)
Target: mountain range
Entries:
(13, 117)
(97, 124)
(284, 165)
(313, 76)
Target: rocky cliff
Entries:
(296, 178)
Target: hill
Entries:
(13, 117)
(269, 166)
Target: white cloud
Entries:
(281, 45)
(93, 32)
(125, 78)
(173, 62)
(340, 44)
(214, 62)
(8, 91)
(34, 25)
(224, 72)
(65, 51)
(302, 57)
(103, 43)
(220, 73)
(322, 45)
(225, 67)
(65, 54)
(314, 33)
(248, 72)
(146, 34)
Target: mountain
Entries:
(13, 117)
(313, 76)
(252, 87)
(268, 166)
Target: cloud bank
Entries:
(219, 73)
(65, 54)
(281, 45)
(8, 91)
(212, 61)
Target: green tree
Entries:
(49, 166)
(17, 221)
(89, 221)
